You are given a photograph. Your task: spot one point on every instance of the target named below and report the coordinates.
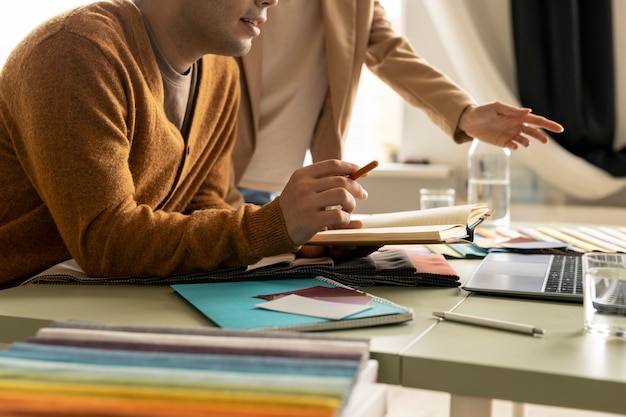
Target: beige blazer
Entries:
(356, 33)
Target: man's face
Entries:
(224, 27)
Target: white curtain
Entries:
(619, 46)
(475, 69)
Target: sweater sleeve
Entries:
(394, 61)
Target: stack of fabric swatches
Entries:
(84, 369)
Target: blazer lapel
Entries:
(337, 15)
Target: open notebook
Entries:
(435, 225)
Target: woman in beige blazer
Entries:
(357, 32)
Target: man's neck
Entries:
(158, 20)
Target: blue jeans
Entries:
(257, 197)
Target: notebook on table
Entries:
(545, 276)
(242, 305)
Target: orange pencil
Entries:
(367, 168)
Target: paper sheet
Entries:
(296, 304)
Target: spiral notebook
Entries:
(235, 305)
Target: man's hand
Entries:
(506, 126)
(320, 196)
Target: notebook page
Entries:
(434, 216)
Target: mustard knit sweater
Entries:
(92, 169)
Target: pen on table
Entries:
(367, 168)
(491, 323)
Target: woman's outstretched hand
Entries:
(506, 126)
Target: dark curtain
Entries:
(565, 71)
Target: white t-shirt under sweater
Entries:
(294, 85)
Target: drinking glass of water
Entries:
(605, 293)
(436, 197)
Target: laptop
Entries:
(544, 276)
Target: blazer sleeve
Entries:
(392, 58)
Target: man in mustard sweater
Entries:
(117, 122)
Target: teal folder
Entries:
(232, 305)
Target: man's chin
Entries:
(243, 49)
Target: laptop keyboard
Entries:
(565, 275)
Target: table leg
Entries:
(461, 406)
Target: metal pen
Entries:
(491, 323)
